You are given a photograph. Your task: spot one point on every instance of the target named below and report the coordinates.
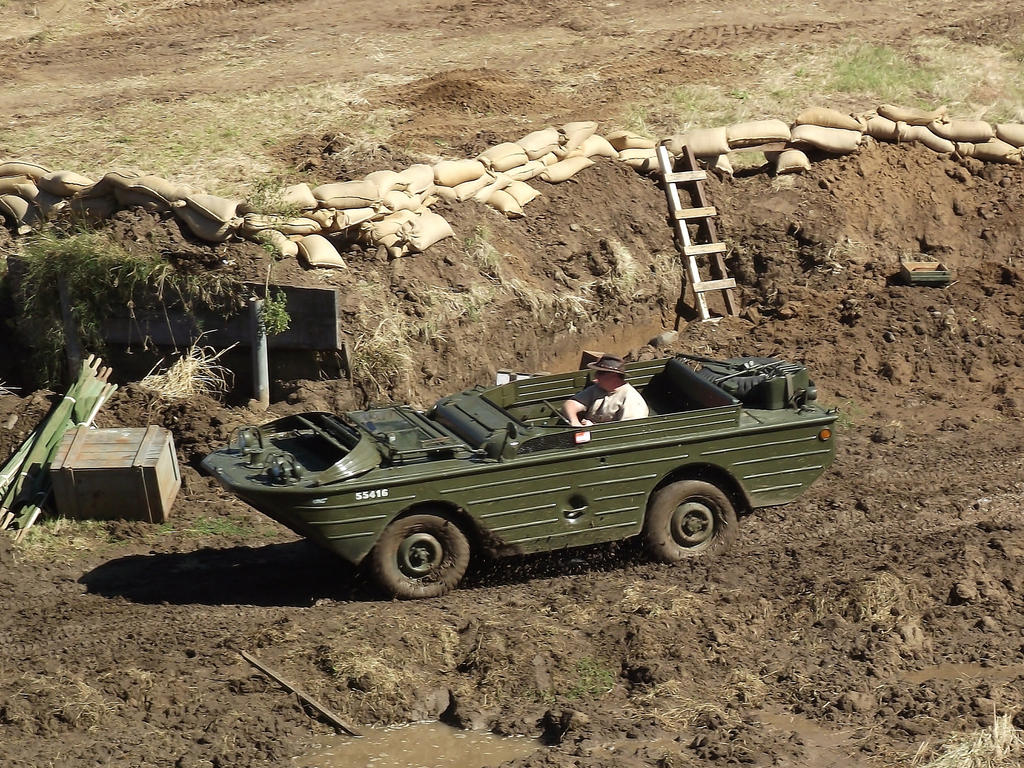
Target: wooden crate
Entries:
(105, 474)
(924, 273)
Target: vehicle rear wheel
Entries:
(420, 556)
(690, 518)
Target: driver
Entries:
(609, 398)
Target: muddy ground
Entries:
(881, 611)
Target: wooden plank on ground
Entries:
(331, 716)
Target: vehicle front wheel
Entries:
(420, 556)
(690, 518)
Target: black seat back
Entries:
(679, 388)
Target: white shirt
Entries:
(623, 403)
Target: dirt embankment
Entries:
(880, 611)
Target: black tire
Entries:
(687, 519)
(420, 556)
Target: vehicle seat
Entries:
(679, 388)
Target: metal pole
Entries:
(260, 367)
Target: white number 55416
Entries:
(378, 493)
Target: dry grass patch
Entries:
(885, 602)
(71, 700)
(60, 539)
(196, 372)
(1001, 746)
(217, 143)
(382, 680)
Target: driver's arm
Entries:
(573, 409)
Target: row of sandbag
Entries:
(833, 132)
(31, 194)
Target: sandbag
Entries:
(597, 146)
(923, 135)
(141, 197)
(317, 251)
(720, 163)
(48, 204)
(279, 242)
(621, 140)
(829, 118)
(397, 200)
(350, 217)
(499, 182)
(418, 179)
(16, 209)
(22, 186)
(64, 183)
(791, 161)
(347, 194)
(539, 143)
(911, 115)
(147, 184)
(253, 223)
(220, 209)
(756, 132)
(965, 149)
(327, 218)
(576, 133)
(565, 169)
(1011, 133)
(505, 203)
(703, 142)
(997, 151)
(451, 173)
(526, 171)
(467, 189)
(642, 160)
(882, 129)
(205, 228)
(386, 181)
(834, 140)
(448, 194)
(298, 196)
(974, 131)
(93, 208)
(503, 156)
(393, 224)
(522, 192)
(427, 229)
(23, 168)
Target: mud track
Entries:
(882, 610)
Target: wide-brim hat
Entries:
(609, 363)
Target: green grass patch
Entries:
(882, 73)
(593, 679)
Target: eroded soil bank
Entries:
(880, 611)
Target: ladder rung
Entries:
(698, 250)
(696, 213)
(678, 176)
(714, 285)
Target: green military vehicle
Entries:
(498, 471)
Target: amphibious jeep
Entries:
(498, 471)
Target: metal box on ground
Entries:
(924, 273)
(105, 474)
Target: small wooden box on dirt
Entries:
(924, 273)
(105, 474)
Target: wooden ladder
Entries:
(700, 215)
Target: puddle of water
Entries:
(966, 671)
(418, 745)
